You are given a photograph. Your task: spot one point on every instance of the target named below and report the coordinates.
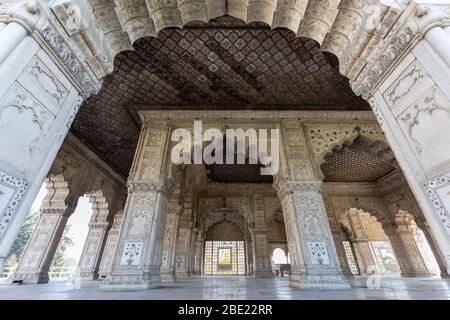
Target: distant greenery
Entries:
(24, 234)
(60, 259)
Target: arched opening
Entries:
(361, 172)
(70, 246)
(224, 250)
(279, 256)
(367, 247)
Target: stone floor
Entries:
(198, 288)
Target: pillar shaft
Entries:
(137, 261)
(314, 261)
(169, 240)
(262, 264)
(199, 245)
(110, 247)
(40, 250)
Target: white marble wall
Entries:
(413, 107)
(37, 103)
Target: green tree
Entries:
(59, 260)
(21, 240)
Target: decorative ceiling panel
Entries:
(209, 68)
(348, 165)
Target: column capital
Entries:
(285, 187)
(165, 187)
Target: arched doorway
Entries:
(225, 250)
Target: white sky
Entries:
(78, 221)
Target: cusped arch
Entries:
(324, 139)
(224, 230)
(344, 28)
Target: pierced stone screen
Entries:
(224, 258)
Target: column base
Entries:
(182, 275)
(416, 274)
(31, 278)
(88, 275)
(168, 276)
(131, 282)
(319, 281)
(263, 274)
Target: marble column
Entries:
(338, 240)
(351, 219)
(137, 261)
(41, 247)
(199, 245)
(406, 229)
(96, 239)
(262, 264)
(364, 256)
(314, 261)
(434, 248)
(182, 249)
(169, 239)
(110, 246)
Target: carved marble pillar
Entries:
(434, 248)
(184, 240)
(137, 260)
(407, 86)
(314, 261)
(338, 240)
(249, 257)
(192, 249)
(401, 253)
(38, 102)
(260, 238)
(262, 266)
(199, 245)
(110, 246)
(406, 229)
(182, 249)
(41, 247)
(351, 221)
(96, 239)
(169, 239)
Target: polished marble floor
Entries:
(197, 288)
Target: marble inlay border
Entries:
(20, 187)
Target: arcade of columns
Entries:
(396, 55)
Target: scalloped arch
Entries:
(346, 28)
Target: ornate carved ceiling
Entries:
(350, 165)
(221, 66)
